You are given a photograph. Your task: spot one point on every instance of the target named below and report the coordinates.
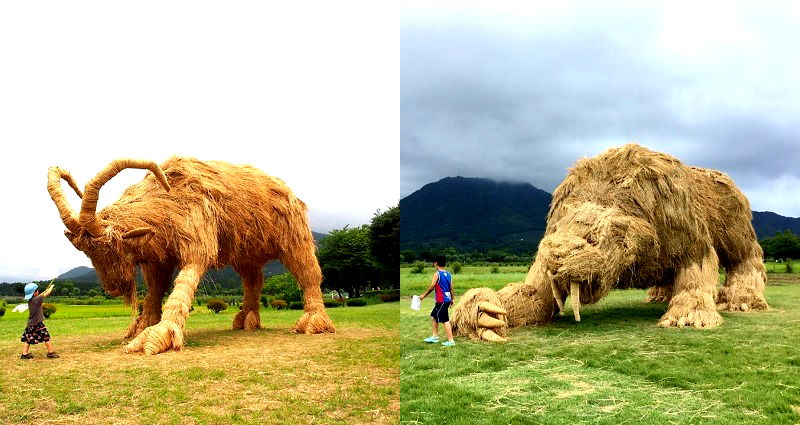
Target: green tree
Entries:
(384, 244)
(346, 261)
(782, 245)
(64, 288)
(284, 287)
(216, 305)
(496, 256)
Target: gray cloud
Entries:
(521, 98)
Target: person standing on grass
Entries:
(442, 283)
(36, 331)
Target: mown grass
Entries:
(774, 267)
(613, 367)
(221, 376)
(469, 277)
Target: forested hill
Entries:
(768, 223)
(477, 214)
(471, 214)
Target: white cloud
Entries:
(307, 93)
(519, 94)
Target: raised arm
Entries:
(48, 290)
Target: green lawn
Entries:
(613, 367)
(469, 277)
(221, 376)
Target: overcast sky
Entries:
(520, 93)
(307, 93)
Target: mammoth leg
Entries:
(168, 333)
(659, 294)
(744, 287)
(157, 279)
(248, 317)
(302, 263)
(693, 301)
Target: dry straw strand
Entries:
(635, 218)
(192, 215)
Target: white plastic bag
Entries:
(416, 303)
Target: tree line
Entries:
(362, 258)
(781, 246)
(471, 257)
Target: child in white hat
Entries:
(36, 331)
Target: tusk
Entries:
(490, 308)
(490, 335)
(486, 321)
(576, 300)
(557, 294)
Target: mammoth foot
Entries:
(480, 316)
(697, 319)
(735, 299)
(691, 310)
(247, 320)
(314, 322)
(157, 339)
(140, 323)
(490, 319)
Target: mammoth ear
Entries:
(138, 237)
(72, 237)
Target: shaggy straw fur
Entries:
(634, 218)
(192, 215)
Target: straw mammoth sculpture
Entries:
(632, 218)
(191, 215)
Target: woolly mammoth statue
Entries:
(632, 218)
(192, 215)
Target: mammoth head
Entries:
(592, 244)
(113, 251)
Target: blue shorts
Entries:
(440, 312)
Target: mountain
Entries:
(474, 214)
(84, 277)
(481, 214)
(768, 223)
(76, 272)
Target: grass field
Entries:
(614, 367)
(221, 376)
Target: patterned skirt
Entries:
(35, 334)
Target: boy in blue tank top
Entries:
(442, 283)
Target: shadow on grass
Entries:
(634, 315)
